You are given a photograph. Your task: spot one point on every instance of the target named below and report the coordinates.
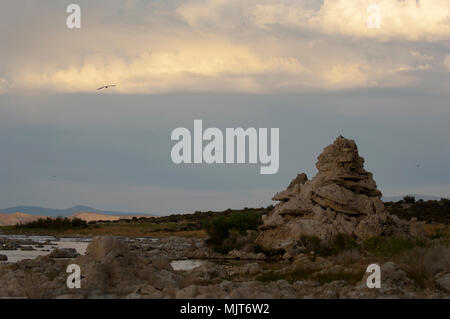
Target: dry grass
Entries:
(348, 258)
(422, 264)
(116, 229)
(437, 231)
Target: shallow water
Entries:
(186, 264)
(80, 244)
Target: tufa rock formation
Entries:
(341, 198)
(110, 266)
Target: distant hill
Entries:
(51, 212)
(417, 196)
(87, 216)
(15, 218)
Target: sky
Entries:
(314, 69)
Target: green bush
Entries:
(436, 211)
(409, 199)
(54, 223)
(390, 246)
(343, 242)
(223, 231)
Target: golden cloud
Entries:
(192, 68)
(408, 20)
(198, 57)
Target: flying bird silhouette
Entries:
(106, 87)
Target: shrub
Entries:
(422, 264)
(438, 232)
(54, 223)
(339, 243)
(409, 199)
(311, 243)
(348, 257)
(223, 231)
(228, 243)
(432, 210)
(342, 242)
(390, 246)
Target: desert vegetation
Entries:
(225, 231)
(53, 223)
(187, 225)
(437, 211)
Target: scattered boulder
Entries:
(64, 253)
(394, 283)
(443, 282)
(161, 262)
(251, 269)
(393, 276)
(110, 269)
(3, 258)
(15, 244)
(27, 248)
(110, 266)
(341, 198)
(8, 245)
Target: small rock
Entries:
(161, 262)
(444, 282)
(27, 248)
(251, 269)
(64, 253)
(3, 258)
(238, 254)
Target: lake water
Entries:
(80, 244)
(187, 264)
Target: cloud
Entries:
(447, 62)
(223, 46)
(421, 56)
(400, 20)
(191, 67)
(427, 20)
(214, 67)
(3, 84)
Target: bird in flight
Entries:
(106, 87)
